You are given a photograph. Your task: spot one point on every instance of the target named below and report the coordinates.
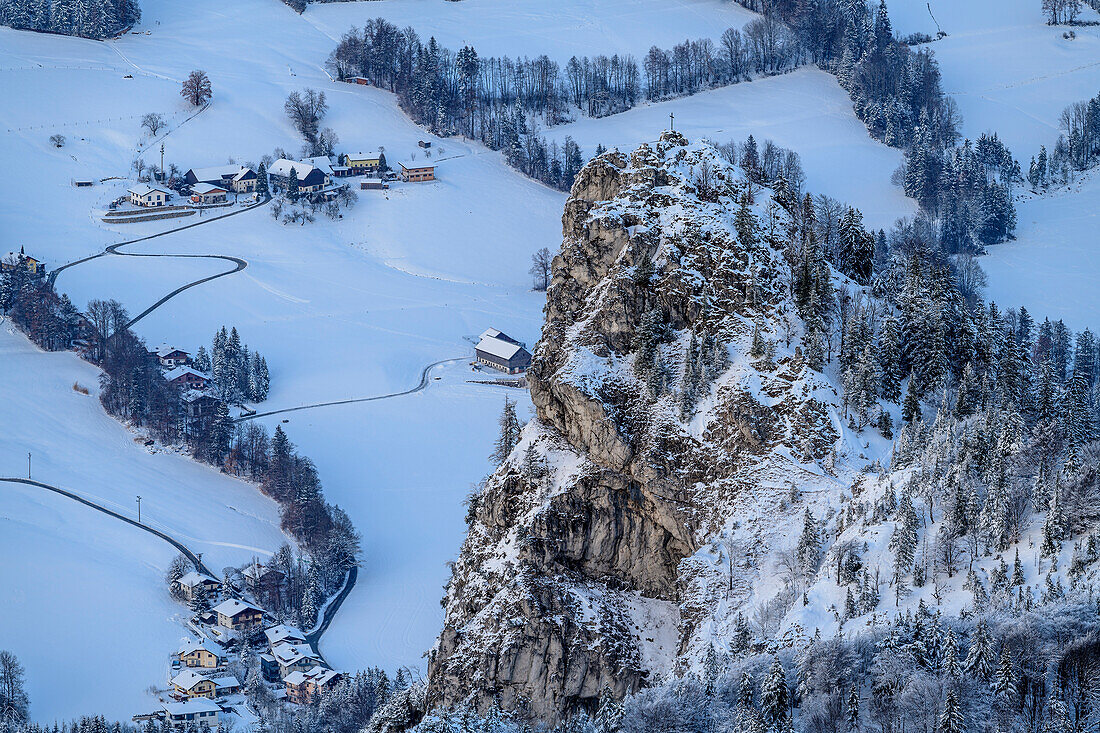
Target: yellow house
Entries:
(205, 654)
(360, 163)
(190, 683)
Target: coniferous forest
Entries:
(85, 18)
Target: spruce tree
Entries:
(775, 696)
(509, 433)
(951, 718)
(979, 660)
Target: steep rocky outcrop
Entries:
(670, 393)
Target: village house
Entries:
(304, 687)
(201, 653)
(145, 195)
(310, 178)
(208, 193)
(261, 579)
(189, 683)
(198, 408)
(192, 712)
(372, 183)
(500, 351)
(170, 356)
(189, 584)
(269, 667)
(238, 615)
(294, 657)
(226, 685)
(13, 260)
(416, 172)
(284, 634)
(325, 164)
(364, 163)
(186, 378)
(235, 178)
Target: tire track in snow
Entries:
(418, 388)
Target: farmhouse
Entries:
(364, 163)
(170, 356)
(261, 579)
(226, 685)
(190, 583)
(200, 653)
(208, 193)
(190, 683)
(294, 657)
(145, 195)
(235, 178)
(310, 178)
(501, 351)
(238, 615)
(416, 172)
(187, 378)
(199, 710)
(198, 408)
(13, 260)
(325, 164)
(305, 687)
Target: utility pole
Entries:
(162, 176)
(139, 509)
(671, 121)
(28, 465)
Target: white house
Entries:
(282, 633)
(145, 195)
(208, 193)
(196, 710)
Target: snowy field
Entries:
(106, 605)
(519, 28)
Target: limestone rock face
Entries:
(585, 571)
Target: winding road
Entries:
(419, 387)
(238, 264)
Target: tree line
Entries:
(97, 19)
(1077, 148)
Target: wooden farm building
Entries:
(500, 351)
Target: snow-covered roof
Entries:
(179, 371)
(282, 166)
(287, 653)
(219, 172)
(498, 346)
(369, 155)
(187, 679)
(491, 333)
(282, 632)
(193, 706)
(204, 188)
(144, 189)
(225, 681)
(323, 162)
(166, 349)
(190, 646)
(321, 675)
(295, 678)
(193, 395)
(233, 606)
(257, 571)
(193, 578)
(410, 164)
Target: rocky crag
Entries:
(643, 507)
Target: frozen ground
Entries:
(1056, 243)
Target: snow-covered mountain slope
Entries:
(80, 580)
(595, 553)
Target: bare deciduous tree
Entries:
(58, 141)
(540, 268)
(153, 122)
(196, 88)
